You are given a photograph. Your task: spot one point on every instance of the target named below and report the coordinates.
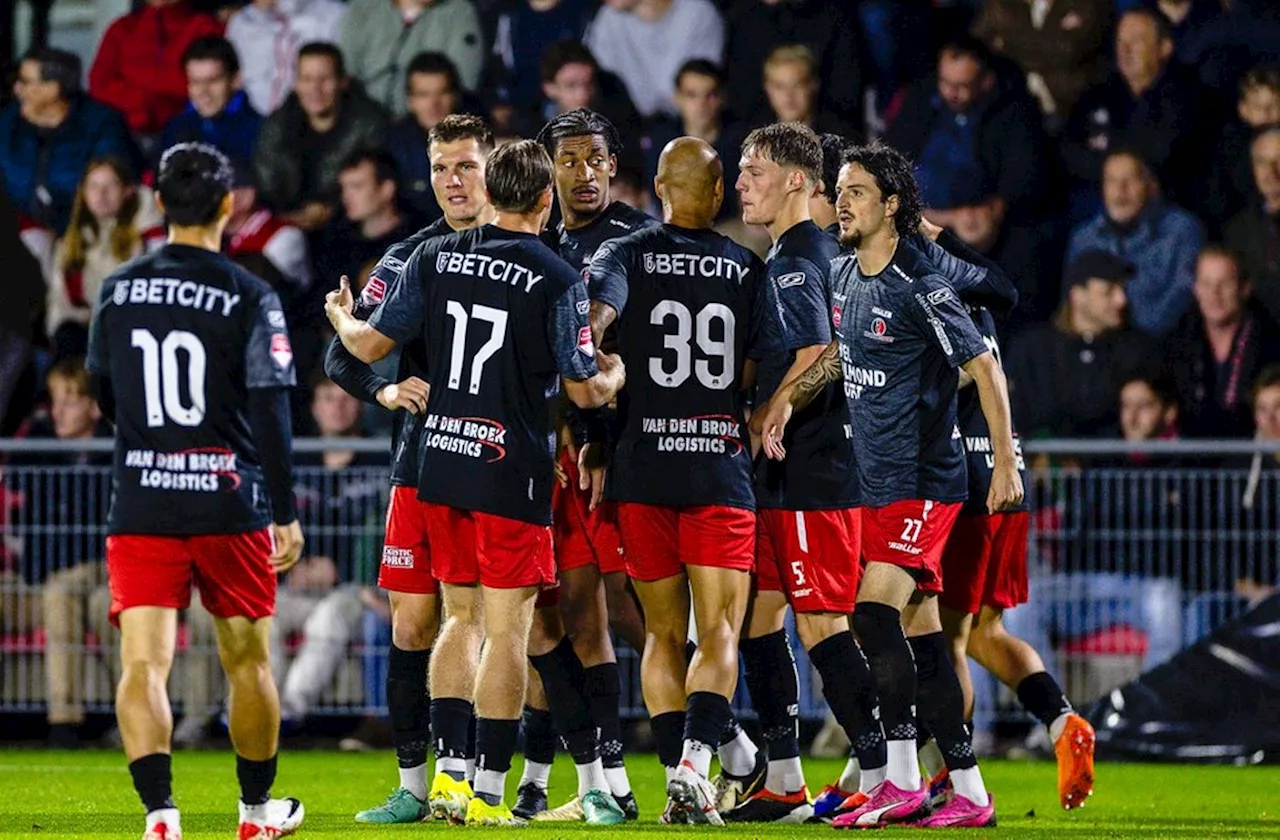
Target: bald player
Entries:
(686, 301)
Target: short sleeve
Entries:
(607, 277)
(797, 292)
(97, 356)
(569, 334)
(960, 274)
(945, 321)
(268, 358)
(401, 313)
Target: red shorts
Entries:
(910, 534)
(232, 572)
(470, 547)
(661, 540)
(584, 537)
(814, 556)
(985, 562)
(406, 551)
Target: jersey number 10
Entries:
(690, 330)
(161, 378)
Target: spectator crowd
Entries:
(1119, 158)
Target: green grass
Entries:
(88, 795)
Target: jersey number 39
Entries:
(162, 377)
(690, 329)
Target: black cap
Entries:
(1098, 265)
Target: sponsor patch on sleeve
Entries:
(374, 291)
(939, 295)
(585, 345)
(281, 350)
(584, 306)
(275, 319)
(786, 281)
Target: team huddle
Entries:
(615, 425)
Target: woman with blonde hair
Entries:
(111, 218)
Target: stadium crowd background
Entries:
(1119, 158)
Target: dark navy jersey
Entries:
(902, 334)
(183, 334)
(976, 432)
(688, 307)
(407, 427)
(978, 280)
(503, 319)
(578, 246)
(818, 471)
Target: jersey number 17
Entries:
(497, 321)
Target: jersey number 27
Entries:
(689, 330)
(162, 377)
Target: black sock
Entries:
(450, 718)
(941, 702)
(731, 731)
(851, 694)
(471, 735)
(563, 679)
(775, 692)
(1041, 695)
(539, 736)
(256, 779)
(879, 628)
(705, 718)
(495, 744)
(153, 780)
(604, 697)
(409, 704)
(668, 732)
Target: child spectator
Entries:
(60, 532)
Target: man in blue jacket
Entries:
(50, 133)
(218, 112)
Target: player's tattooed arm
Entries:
(600, 317)
(824, 370)
(993, 396)
(770, 420)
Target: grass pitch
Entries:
(89, 795)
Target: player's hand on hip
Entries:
(592, 468)
(411, 394)
(287, 549)
(339, 299)
(1006, 489)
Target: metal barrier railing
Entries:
(1133, 555)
